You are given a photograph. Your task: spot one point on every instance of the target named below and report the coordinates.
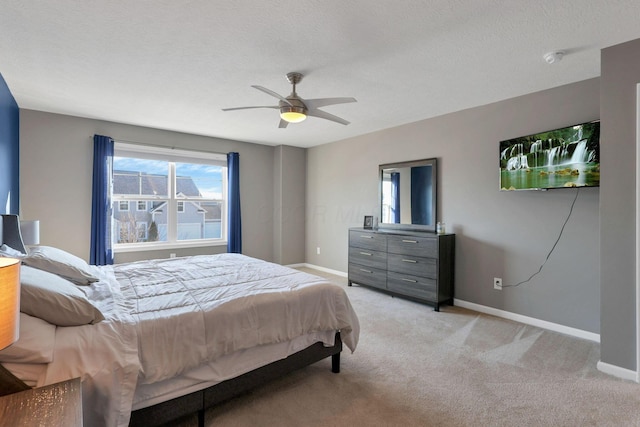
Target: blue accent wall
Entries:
(9, 151)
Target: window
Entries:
(164, 183)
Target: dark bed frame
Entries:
(196, 402)
(199, 401)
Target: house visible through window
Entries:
(163, 183)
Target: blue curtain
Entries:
(421, 193)
(395, 198)
(9, 151)
(101, 250)
(234, 243)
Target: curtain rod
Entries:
(173, 147)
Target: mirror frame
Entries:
(433, 162)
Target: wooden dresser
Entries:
(413, 264)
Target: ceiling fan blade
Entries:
(272, 93)
(249, 108)
(283, 124)
(324, 115)
(323, 102)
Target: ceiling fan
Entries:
(294, 109)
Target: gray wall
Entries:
(289, 196)
(498, 234)
(56, 153)
(620, 75)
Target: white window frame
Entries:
(173, 156)
(121, 203)
(144, 207)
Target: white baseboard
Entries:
(616, 371)
(326, 270)
(579, 333)
(301, 264)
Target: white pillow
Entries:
(54, 299)
(62, 263)
(8, 251)
(35, 344)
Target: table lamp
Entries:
(30, 231)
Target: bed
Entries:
(155, 340)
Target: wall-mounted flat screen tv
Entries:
(560, 158)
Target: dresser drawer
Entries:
(368, 258)
(421, 246)
(365, 240)
(414, 286)
(416, 266)
(367, 276)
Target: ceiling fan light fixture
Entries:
(292, 114)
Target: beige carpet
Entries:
(417, 367)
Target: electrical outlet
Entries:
(497, 283)
(318, 250)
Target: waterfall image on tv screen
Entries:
(560, 158)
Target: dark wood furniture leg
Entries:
(201, 418)
(335, 363)
(9, 383)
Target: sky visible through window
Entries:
(208, 178)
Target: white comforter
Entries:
(165, 317)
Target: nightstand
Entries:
(52, 405)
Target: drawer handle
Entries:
(409, 241)
(410, 260)
(366, 253)
(410, 280)
(366, 271)
(367, 237)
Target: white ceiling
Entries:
(175, 64)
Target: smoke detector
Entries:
(552, 57)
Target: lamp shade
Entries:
(293, 114)
(30, 231)
(9, 301)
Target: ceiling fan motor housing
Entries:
(295, 105)
(293, 112)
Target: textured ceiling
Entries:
(175, 64)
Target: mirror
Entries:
(408, 195)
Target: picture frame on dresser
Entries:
(368, 222)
